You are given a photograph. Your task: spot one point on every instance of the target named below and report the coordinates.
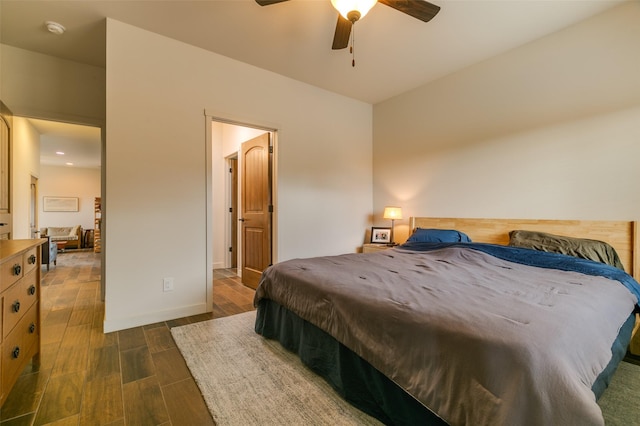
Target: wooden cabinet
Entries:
(20, 302)
(4, 165)
(6, 119)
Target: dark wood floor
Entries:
(130, 377)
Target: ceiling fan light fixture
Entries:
(347, 7)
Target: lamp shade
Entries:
(392, 213)
(346, 6)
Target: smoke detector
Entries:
(55, 28)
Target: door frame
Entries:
(233, 206)
(33, 208)
(211, 117)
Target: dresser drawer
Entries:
(10, 272)
(19, 309)
(30, 260)
(20, 345)
(17, 300)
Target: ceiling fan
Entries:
(353, 10)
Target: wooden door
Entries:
(256, 208)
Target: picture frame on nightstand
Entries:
(380, 235)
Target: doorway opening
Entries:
(242, 199)
(69, 168)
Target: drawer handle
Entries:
(15, 353)
(17, 269)
(32, 328)
(32, 290)
(32, 259)
(16, 306)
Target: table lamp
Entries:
(392, 213)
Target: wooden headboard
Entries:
(624, 236)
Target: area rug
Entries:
(248, 380)
(619, 402)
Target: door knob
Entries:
(241, 220)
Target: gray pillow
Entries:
(595, 250)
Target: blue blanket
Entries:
(540, 259)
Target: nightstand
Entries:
(372, 248)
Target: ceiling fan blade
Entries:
(419, 9)
(268, 2)
(343, 31)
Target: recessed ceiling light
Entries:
(69, 164)
(55, 28)
(59, 152)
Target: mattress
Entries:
(472, 336)
(360, 383)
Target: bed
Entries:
(463, 331)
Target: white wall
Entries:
(45, 87)
(26, 163)
(42, 86)
(218, 184)
(548, 130)
(155, 168)
(83, 183)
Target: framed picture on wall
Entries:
(60, 204)
(380, 235)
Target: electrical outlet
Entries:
(167, 284)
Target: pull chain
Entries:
(351, 49)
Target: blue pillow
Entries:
(422, 235)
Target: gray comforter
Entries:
(476, 339)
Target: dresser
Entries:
(20, 315)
